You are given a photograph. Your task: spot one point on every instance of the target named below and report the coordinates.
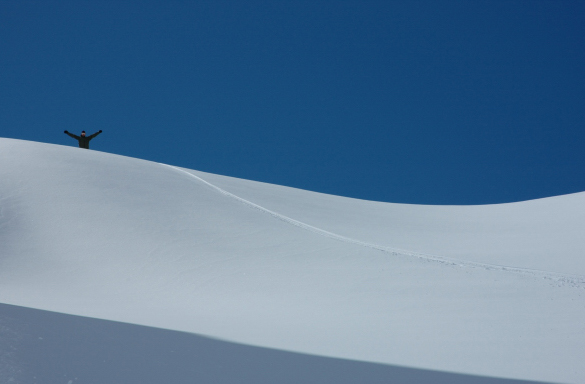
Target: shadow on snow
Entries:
(47, 347)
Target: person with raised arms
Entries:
(83, 140)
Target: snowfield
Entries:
(367, 291)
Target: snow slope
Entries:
(494, 290)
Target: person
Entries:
(83, 140)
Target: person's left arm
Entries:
(94, 135)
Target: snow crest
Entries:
(558, 279)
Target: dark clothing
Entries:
(83, 140)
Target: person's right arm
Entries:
(72, 135)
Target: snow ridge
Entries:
(558, 279)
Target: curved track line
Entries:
(576, 281)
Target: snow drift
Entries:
(493, 290)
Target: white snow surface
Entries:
(492, 290)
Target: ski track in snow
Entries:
(558, 279)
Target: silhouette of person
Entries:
(83, 140)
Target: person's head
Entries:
(82, 133)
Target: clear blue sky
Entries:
(434, 102)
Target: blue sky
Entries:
(432, 102)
